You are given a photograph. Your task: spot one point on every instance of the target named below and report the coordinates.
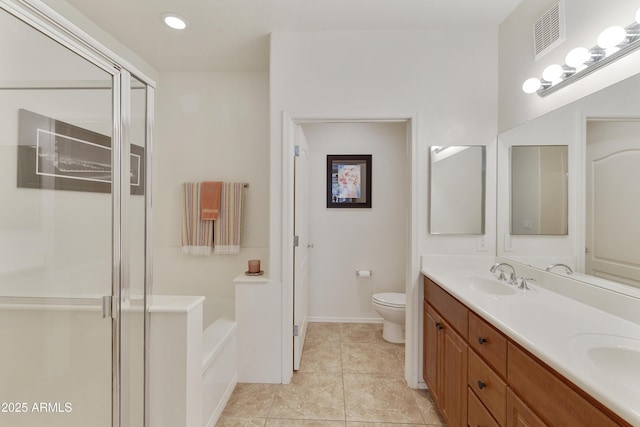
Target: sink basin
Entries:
(616, 357)
(490, 286)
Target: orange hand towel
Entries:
(210, 200)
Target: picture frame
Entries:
(349, 180)
(59, 156)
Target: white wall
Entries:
(378, 73)
(585, 19)
(423, 76)
(349, 239)
(209, 126)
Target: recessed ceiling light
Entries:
(174, 21)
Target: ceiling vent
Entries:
(549, 30)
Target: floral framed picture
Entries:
(348, 180)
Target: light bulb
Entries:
(174, 21)
(531, 85)
(577, 57)
(638, 16)
(553, 73)
(611, 37)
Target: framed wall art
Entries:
(349, 181)
(60, 156)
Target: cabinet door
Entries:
(430, 351)
(454, 369)
(519, 414)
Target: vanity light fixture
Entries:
(173, 21)
(612, 44)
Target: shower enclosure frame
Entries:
(53, 25)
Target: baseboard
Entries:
(318, 319)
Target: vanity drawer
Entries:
(477, 414)
(490, 344)
(488, 386)
(454, 311)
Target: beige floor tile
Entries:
(271, 422)
(380, 398)
(361, 332)
(226, 421)
(321, 357)
(427, 408)
(372, 358)
(250, 400)
(322, 332)
(310, 396)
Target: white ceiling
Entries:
(232, 35)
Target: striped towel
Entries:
(228, 226)
(197, 235)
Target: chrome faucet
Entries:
(567, 269)
(512, 277)
(524, 282)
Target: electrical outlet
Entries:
(508, 243)
(481, 244)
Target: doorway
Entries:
(409, 281)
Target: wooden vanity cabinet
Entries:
(478, 377)
(446, 353)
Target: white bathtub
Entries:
(219, 368)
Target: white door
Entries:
(301, 249)
(612, 201)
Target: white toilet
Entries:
(391, 306)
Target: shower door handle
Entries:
(107, 307)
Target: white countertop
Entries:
(560, 331)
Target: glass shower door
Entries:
(133, 302)
(56, 222)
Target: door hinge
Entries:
(296, 241)
(295, 330)
(296, 151)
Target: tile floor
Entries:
(349, 376)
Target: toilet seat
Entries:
(390, 299)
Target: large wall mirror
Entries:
(457, 190)
(539, 186)
(603, 189)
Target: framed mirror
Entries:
(539, 189)
(457, 189)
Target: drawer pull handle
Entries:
(481, 385)
(439, 326)
(482, 340)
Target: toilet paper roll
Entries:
(363, 273)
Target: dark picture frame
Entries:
(60, 156)
(349, 180)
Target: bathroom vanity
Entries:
(482, 366)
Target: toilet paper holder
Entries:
(364, 273)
